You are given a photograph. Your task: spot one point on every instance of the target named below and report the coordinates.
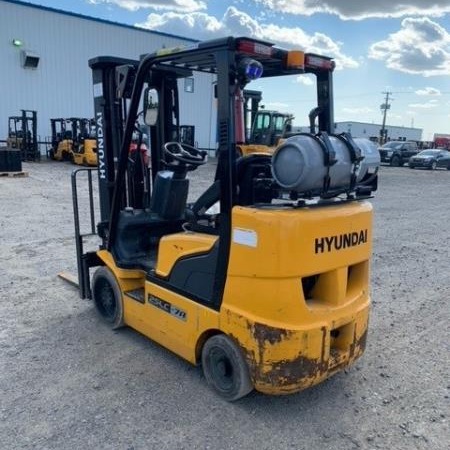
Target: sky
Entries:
(379, 46)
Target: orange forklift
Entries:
(269, 291)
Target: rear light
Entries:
(254, 48)
(295, 60)
(317, 62)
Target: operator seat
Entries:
(249, 169)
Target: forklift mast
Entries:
(113, 87)
(109, 113)
(252, 99)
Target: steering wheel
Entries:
(185, 153)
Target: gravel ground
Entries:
(67, 381)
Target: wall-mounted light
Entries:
(17, 43)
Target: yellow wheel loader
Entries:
(269, 290)
(263, 128)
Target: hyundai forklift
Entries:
(269, 291)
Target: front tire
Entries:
(107, 297)
(433, 165)
(396, 161)
(225, 368)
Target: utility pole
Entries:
(384, 107)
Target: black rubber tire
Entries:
(411, 166)
(396, 161)
(225, 368)
(107, 297)
(448, 167)
(433, 165)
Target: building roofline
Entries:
(376, 124)
(96, 19)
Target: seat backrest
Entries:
(170, 194)
(253, 174)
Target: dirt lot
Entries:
(68, 382)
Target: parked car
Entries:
(431, 159)
(397, 153)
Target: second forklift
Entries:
(22, 135)
(73, 140)
(263, 128)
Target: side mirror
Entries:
(151, 106)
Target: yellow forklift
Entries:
(84, 149)
(269, 292)
(22, 135)
(73, 140)
(62, 140)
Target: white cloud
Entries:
(362, 110)
(428, 105)
(360, 9)
(173, 5)
(428, 91)
(199, 25)
(420, 47)
(304, 79)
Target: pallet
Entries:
(13, 174)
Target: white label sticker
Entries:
(98, 90)
(245, 237)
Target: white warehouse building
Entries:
(372, 131)
(60, 43)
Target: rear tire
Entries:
(225, 368)
(107, 297)
(396, 161)
(433, 165)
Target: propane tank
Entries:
(299, 164)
